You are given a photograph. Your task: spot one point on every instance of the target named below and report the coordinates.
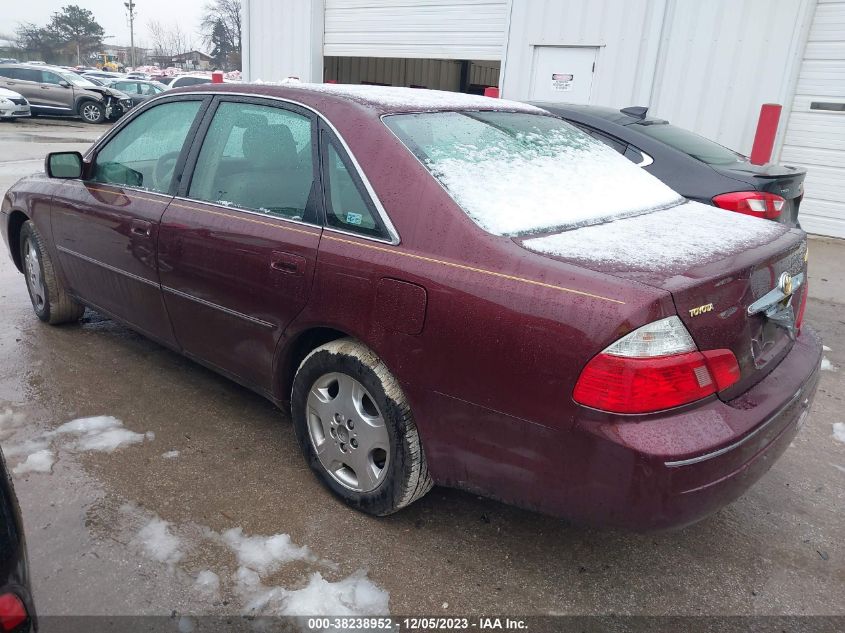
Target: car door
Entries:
(106, 225)
(23, 81)
(55, 93)
(238, 246)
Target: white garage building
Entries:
(707, 66)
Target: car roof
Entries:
(382, 99)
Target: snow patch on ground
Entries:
(9, 421)
(103, 433)
(686, 235)
(826, 348)
(839, 431)
(159, 543)
(354, 595)
(208, 582)
(841, 469)
(827, 365)
(39, 462)
(265, 554)
(170, 455)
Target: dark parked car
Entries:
(17, 613)
(444, 288)
(694, 166)
(139, 90)
(53, 90)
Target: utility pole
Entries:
(130, 7)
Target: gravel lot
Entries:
(132, 531)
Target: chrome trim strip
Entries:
(394, 234)
(231, 207)
(738, 443)
(216, 306)
(113, 269)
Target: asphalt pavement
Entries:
(205, 506)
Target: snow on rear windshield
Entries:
(518, 173)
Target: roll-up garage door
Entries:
(815, 133)
(434, 29)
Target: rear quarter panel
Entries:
(505, 333)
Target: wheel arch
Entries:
(17, 219)
(294, 351)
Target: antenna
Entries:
(638, 112)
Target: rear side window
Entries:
(689, 143)
(256, 157)
(346, 207)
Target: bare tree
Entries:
(168, 41)
(221, 29)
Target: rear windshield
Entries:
(691, 144)
(520, 174)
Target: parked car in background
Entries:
(51, 90)
(180, 81)
(137, 75)
(13, 105)
(139, 90)
(17, 612)
(8, 60)
(101, 74)
(559, 329)
(694, 166)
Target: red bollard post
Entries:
(767, 129)
(217, 77)
(491, 91)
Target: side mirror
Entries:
(63, 165)
(64, 84)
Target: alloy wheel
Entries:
(34, 280)
(347, 431)
(91, 113)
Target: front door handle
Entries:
(141, 228)
(287, 263)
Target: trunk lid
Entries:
(783, 180)
(714, 263)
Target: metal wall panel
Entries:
(456, 29)
(815, 138)
(627, 34)
(283, 38)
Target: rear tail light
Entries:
(653, 368)
(757, 203)
(12, 612)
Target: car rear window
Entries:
(519, 174)
(690, 143)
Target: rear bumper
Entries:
(687, 465)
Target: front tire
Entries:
(92, 112)
(51, 303)
(356, 430)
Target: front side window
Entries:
(144, 153)
(518, 173)
(256, 157)
(346, 208)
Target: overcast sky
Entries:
(111, 14)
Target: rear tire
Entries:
(356, 430)
(92, 112)
(51, 303)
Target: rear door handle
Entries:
(287, 263)
(141, 228)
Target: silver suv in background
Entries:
(52, 90)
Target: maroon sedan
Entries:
(444, 289)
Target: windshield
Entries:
(519, 174)
(691, 144)
(74, 79)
